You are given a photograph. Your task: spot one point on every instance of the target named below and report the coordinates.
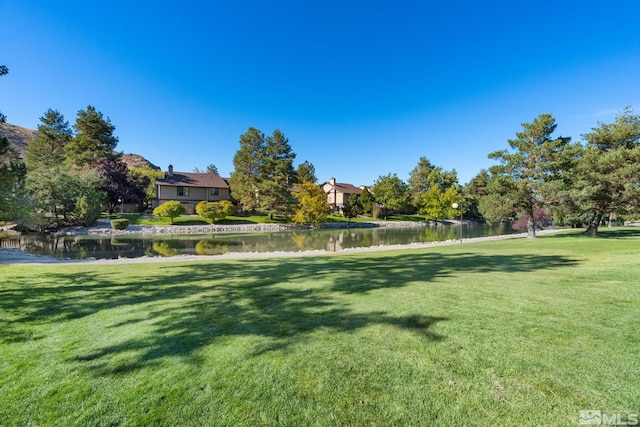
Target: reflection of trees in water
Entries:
(333, 240)
(168, 248)
(211, 247)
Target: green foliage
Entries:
(437, 204)
(538, 166)
(94, 140)
(276, 176)
(305, 172)
(171, 209)
(352, 207)
(366, 201)
(119, 224)
(424, 177)
(608, 174)
(474, 191)
(312, 205)
(392, 193)
(88, 207)
(214, 211)
(148, 174)
(247, 162)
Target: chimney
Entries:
(332, 181)
(170, 173)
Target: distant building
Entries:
(191, 188)
(339, 192)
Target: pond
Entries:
(133, 246)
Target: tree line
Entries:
(71, 173)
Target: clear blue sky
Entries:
(360, 88)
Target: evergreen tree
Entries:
(276, 176)
(419, 182)
(536, 165)
(609, 171)
(248, 162)
(306, 172)
(94, 140)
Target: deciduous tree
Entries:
(214, 211)
(392, 193)
(312, 205)
(171, 209)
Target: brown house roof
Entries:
(345, 188)
(186, 179)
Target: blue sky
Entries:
(360, 88)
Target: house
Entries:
(191, 188)
(338, 192)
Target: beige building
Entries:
(191, 188)
(339, 192)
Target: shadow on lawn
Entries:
(186, 307)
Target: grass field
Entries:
(514, 332)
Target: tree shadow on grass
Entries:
(603, 233)
(185, 307)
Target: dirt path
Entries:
(17, 257)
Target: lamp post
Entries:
(121, 201)
(456, 206)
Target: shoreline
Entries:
(17, 257)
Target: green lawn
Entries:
(514, 332)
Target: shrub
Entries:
(215, 210)
(171, 209)
(119, 224)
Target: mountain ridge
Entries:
(19, 137)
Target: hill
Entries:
(19, 137)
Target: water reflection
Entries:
(132, 246)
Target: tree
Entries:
(12, 173)
(366, 201)
(49, 180)
(419, 182)
(536, 165)
(437, 204)
(473, 192)
(424, 177)
(352, 208)
(149, 175)
(210, 169)
(312, 205)
(94, 139)
(608, 174)
(119, 185)
(171, 209)
(215, 210)
(247, 162)
(305, 172)
(276, 176)
(391, 192)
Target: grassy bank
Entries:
(514, 332)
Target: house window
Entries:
(214, 191)
(183, 191)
